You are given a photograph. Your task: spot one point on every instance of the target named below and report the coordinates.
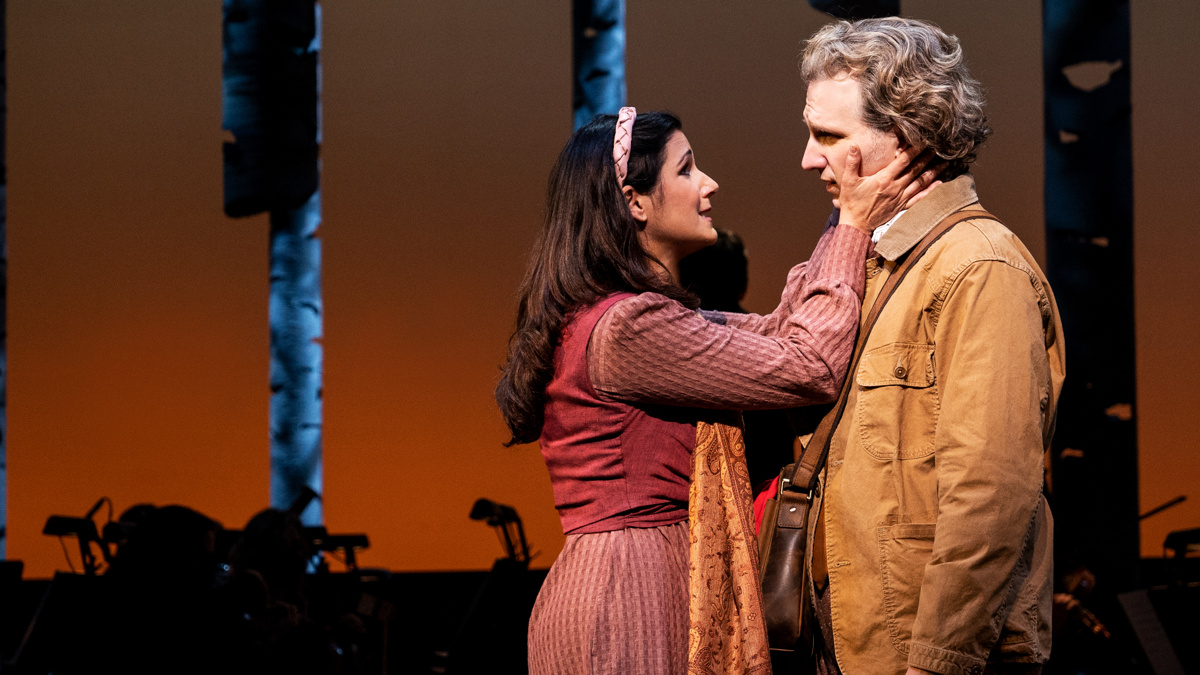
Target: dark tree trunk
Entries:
(1089, 255)
(272, 107)
(3, 282)
(598, 35)
(857, 9)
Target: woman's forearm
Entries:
(648, 349)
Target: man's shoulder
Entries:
(978, 240)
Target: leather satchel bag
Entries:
(783, 538)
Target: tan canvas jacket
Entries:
(938, 539)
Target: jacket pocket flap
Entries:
(900, 363)
(921, 531)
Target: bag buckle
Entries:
(785, 483)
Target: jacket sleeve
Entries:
(649, 349)
(994, 380)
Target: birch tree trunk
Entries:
(271, 90)
(598, 40)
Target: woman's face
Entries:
(676, 214)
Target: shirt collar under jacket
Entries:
(882, 229)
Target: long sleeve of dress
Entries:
(650, 349)
(793, 291)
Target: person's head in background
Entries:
(719, 274)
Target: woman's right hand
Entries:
(870, 201)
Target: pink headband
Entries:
(622, 141)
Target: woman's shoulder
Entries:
(638, 313)
(596, 308)
(637, 304)
(587, 315)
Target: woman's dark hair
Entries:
(588, 249)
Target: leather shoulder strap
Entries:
(804, 477)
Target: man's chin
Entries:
(837, 203)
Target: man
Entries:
(931, 545)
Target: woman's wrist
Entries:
(844, 257)
(844, 220)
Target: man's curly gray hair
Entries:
(913, 79)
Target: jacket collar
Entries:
(912, 226)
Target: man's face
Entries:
(833, 112)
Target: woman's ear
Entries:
(636, 201)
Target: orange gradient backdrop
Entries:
(138, 311)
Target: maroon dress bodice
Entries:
(612, 465)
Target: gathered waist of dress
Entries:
(656, 515)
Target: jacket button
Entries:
(900, 372)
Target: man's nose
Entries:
(814, 159)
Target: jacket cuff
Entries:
(943, 661)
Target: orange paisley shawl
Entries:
(727, 633)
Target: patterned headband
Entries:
(623, 141)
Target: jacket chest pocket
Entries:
(897, 409)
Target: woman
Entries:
(612, 369)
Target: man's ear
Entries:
(901, 145)
(637, 204)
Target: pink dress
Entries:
(633, 375)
